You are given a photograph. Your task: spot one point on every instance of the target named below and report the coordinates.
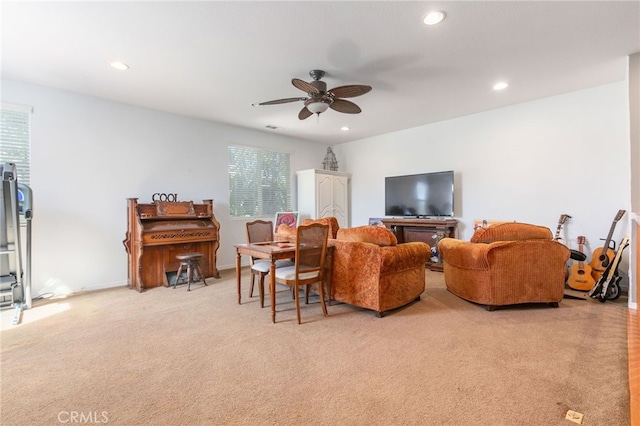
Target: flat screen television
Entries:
(419, 195)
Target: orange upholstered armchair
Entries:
(371, 270)
(506, 264)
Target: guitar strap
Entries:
(578, 255)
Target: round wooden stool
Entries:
(190, 261)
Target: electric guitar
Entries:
(561, 221)
(607, 286)
(604, 255)
(580, 277)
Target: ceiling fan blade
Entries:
(280, 101)
(350, 91)
(304, 86)
(347, 107)
(304, 113)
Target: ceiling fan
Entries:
(320, 99)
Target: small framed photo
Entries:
(287, 218)
(375, 221)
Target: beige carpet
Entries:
(169, 357)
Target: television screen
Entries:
(425, 194)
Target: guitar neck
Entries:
(607, 242)
(613, 227)
(561, 221)
(581, 262)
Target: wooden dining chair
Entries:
(260, 231)
(309, 268)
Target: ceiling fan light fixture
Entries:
(317, 107)
(319, 99)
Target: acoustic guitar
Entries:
(580, 276)
(604, 255)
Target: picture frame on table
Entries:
(291, 219)
(375, 221)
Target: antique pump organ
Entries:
(159, 231)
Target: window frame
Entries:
(259, 197)
(24, 170)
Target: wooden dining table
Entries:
(271, 251)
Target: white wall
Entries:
(89, 155)
(531, 162)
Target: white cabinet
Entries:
(323, 193)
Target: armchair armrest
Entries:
(404, 256)
(466, 255)
(539, 255)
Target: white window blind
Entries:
(259, 182)
(15, 147)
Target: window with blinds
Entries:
(15, 128)
(259, 182)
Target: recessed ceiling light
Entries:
(434, 17)
(500, 85)
(119, 65)
(344, 128)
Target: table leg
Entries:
(272, 289)
(238, 270)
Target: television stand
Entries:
(421, 230)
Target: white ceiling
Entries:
(213, 59)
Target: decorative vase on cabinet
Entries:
(324, 193)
